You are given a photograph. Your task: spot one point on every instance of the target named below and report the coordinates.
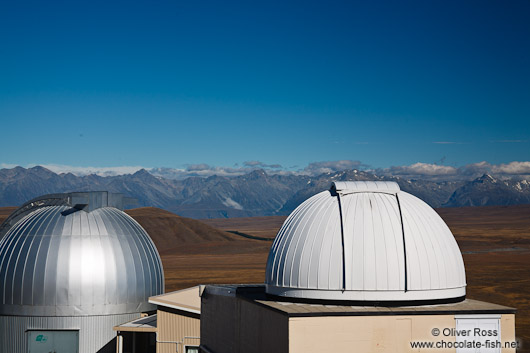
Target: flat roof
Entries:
(291, 308)
(143, 324)
(185, 299)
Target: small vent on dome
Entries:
(351, 187)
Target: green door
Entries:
(53, 341)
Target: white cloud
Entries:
(420, 169)
(512, 168)
(317, 168)
(469, 171)
(200, 170)
(476, 169)
(261, 165)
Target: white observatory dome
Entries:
(76, 254)
(366, 241)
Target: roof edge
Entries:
(368, 295)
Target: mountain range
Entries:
(254, 194)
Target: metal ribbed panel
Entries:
(94, 331)
(373, 242)
(434, 259)
(365, 241)
(294, 245)
(61, 261)
(176, 330)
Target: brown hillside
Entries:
(195, 253)
(266, 227)
(169, 230)
(5, 212)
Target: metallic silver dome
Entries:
(77, 259)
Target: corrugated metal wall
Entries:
(94, 331)
(175, 327)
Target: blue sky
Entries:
(170, 84)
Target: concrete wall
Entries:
(232, 325)
(176, 329)
(391, 334)
(508, 330)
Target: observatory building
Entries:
(362, 267)
(73, 266)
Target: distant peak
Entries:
(38, 167)
(488, 178)
(142, 173)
